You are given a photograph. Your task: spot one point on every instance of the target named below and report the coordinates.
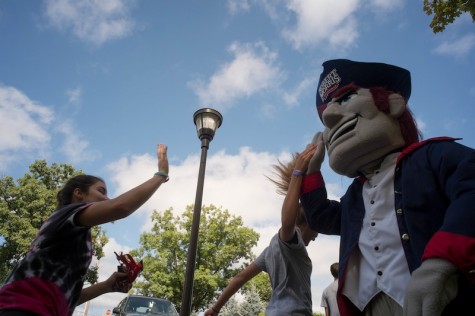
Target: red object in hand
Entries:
(129, 266)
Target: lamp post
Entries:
(207, 121)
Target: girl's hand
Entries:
(162, 158)
(211, 312)
(119, 282)
(302, 160)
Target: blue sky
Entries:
(99, 83)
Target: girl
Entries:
(49, 280)
(285, 259)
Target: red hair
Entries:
(408, 124)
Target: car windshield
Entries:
(150, 306)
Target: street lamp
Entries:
(207, 121)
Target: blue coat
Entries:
(434, 192)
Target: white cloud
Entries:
(454, 124)
(74, 95)
(252, 70)
(27, 130)
(421, 125)
(23, 124)
(267, 110)
(236, 6)
(458, 48)
(385, 5)
(272, 8)
(320, 22)
(292, 98)
(93, 21)
(74, 148)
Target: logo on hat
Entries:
(329, 84)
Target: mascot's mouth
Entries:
(343, 129)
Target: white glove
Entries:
(432, 286)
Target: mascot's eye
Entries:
(346, 97)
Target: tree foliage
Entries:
(261, 284)
(231, 308)
(223, 244)
(446, 11)
(26, 204)
(252, 304)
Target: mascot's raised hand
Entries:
(432, 286)
(315, 163)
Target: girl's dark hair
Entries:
(81, 182)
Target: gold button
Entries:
(399, 211)
(405, 237)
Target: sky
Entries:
(99, 83)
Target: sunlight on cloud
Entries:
(23, 124)
(95, 21)
(322, 21)
(457, 48)
(252, 70)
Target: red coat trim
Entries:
(311, 182)
(448, 246)
(414, 146)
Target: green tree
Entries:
(26, 204)
(231, 308)
(261, 283)
(446, 11)
(223, 244)
(252, 304)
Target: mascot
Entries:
(407, 221)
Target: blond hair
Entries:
(283, 173)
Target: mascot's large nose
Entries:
(332, 115)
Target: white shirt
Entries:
(379, 263)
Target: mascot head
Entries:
(364, 109)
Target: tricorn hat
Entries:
(341, 72)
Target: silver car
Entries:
(144, 305)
